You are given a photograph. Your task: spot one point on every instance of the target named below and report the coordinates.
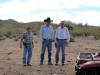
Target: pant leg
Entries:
(49, 46)
(24, 54)
(29, 54)
(57, 51)
(43, 51)
(63, 50)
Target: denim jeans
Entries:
(61, 44)
(27, 54)
(47, 44)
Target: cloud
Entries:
(19, 6)
(37, 10)
(15, 7)
(92, 17)
(56, 16)
(78, 3)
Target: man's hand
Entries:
(43, 42)
(33, 46)
(55, 45)
(20, 46)
(67, 43)
(52, 40)
(20, 43)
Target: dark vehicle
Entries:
(88, 64)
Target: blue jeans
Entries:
(60, 44)
(27, 50)
(48, 44)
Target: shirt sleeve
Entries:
(22, 36)
(68, 35)
(32, 36)
(41, 33)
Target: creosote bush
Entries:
(97, 36)
(72, 39)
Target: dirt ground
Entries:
(11, 57)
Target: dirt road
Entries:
(11, 57)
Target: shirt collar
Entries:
(28, 32)
(61, 28)
(48, 26)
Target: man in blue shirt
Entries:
(47, 37)
(62, 38)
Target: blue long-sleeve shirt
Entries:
(46, 32)
(63, 33)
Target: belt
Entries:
(26, 43)
(47, 39)
(60, 39)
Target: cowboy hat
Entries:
(62, 22)
(48, 20)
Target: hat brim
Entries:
(48, 20)
(62, 23)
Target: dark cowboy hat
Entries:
(48, 20)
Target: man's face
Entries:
(30, 30)
(48, 23)
(62, 25)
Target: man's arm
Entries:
(41, 34)
(21, 43)
(33, 44)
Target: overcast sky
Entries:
(37, 10)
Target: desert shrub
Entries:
(8, 34)
(72, 39)
(76, 33)
(86, 32)
(97, 36)
(80, 25)
(1, 35)
(81, 32)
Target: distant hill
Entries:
(10, 26)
